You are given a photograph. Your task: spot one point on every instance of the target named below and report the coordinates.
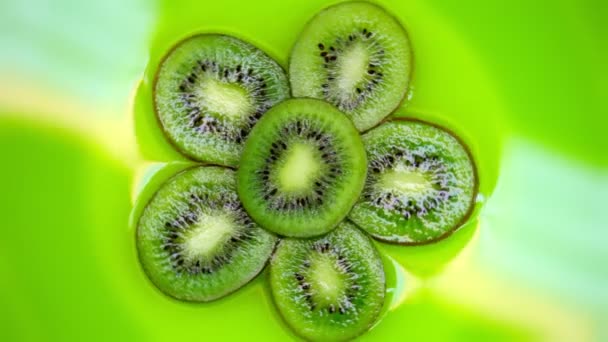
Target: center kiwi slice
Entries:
(302, 169)
(329, 288)
(195, 241)
(210, 90)
(421, 186)
(356, 56)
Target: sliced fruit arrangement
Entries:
(302, 169)
(328, 288)
(195, 241)
(357, 57)
(210, 90)
(422, 183)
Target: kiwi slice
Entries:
(303, 167)
(195, 240)
(210, 90)
(421, 185)
(328, 288)
(357, 57)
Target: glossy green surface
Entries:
(355, 56)
(421, 183)
(212, 81)
(344, 279)
(191, 246)
(342, 173)
(523, 83)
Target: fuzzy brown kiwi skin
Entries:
(147, 276)
(471, 209)
(284, 321)
(155, 81)
(411, 60)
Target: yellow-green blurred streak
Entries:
(61, 193)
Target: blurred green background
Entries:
(524, 83)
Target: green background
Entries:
(524, 84)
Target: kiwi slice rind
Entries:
(194, 239)
(210, 90)
(331, 287)
(302, 169)
(357, 57)
(422, 183)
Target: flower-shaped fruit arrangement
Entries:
(294, 183)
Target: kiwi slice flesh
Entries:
(302, 169)
(328, 288)
(195, 240)
(421, 186)
(357, 57)
(210, 90)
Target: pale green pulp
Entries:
(522, 83)
(300, 165)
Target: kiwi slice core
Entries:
(232, 100)
(206, 237)
(209, 92)
(355, 56)
(195, 241)
(406, 181)
(302, 169)
(328, 278)
(331, 287)
(298, 168)
(421, 183)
